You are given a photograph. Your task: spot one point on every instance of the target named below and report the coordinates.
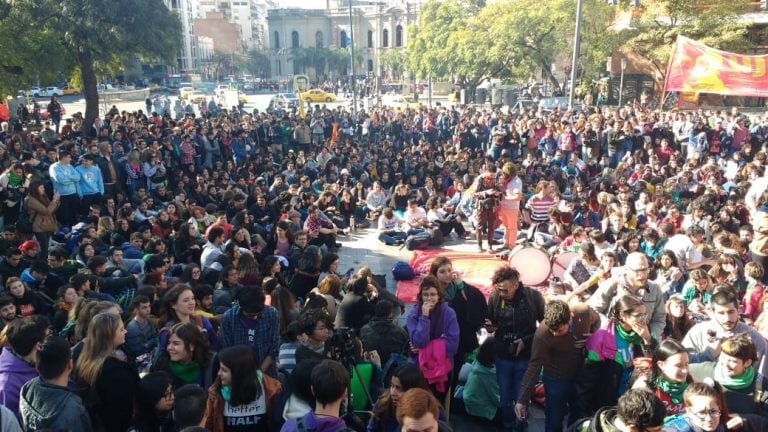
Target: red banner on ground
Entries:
(697, 68)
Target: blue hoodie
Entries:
(64, 178)
(313, 423)
(90, 181)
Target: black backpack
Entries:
(421, 240)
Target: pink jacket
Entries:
(435, 364)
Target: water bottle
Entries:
(554, 285)
(352, 227)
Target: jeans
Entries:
(509, 374)
(391, 238)
(562, 398)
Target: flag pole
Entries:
(664, 92)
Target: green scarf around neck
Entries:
(15, 180)
(186, 372)
(673, 389)
(452, 289)
(629, 336)
(737, 382)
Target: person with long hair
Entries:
(28, 302)
(242, 394)
(109, 385)
(668, 376)
(669, 277)
(179, 308)
(330, 289)
(154, 404)
(430, 324)
(610, 353)
(42, 214)
(679, 321)
(509, 210)
(405, 377)
(187, 245)
(466, 300)
(186, 356)
(271, 268)
(284, 301)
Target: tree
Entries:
(659, 22)
(90, 34)
(258, 63)
(512, 40)
(393, 61)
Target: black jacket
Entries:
(382, 335)
(50, 407)
(471, 312)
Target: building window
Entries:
(370, 38)
(385, 38)
(296, 68)
(399, 36)
(294, 39)
(319, 39)
(277, 39)
(343, 39)
(370, 65)
(279, 68)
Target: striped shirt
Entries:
(539, 207)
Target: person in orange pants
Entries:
(509, 211)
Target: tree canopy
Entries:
(659, 22)
(512, 40)
(88, 35)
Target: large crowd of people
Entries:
(182, 272)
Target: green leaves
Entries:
(658, 23)
(511, 40)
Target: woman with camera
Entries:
(487, 196)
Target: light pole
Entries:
(352, 58)
(575, 59)
(621, 80)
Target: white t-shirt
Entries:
(514, 187)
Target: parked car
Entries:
(524, 105)
(317, 95)
(69, 90)
(400, 102)
(288, 100)
(196, 97)
(550, 103)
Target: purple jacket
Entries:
(313, 423)
(443, 318)
(14, 373)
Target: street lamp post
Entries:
(576, 48)
(352, 58)
(621, 80)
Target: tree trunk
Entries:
(546, 69)
(90, 91)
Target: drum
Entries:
(561, 262)
(533, 265)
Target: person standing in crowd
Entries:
(46, 401)
(509, 210)
(90, 187)
(65, 179)
(487, 194)
(109, 384)
(17, 361)
(42, 213)
(557, 349)
(434, 333)
(513, 310)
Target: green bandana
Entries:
(187, 372)
(737, 382)
(226, 392)
(673, 389)
(629, 336)
(452, 289)
(14, 180)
